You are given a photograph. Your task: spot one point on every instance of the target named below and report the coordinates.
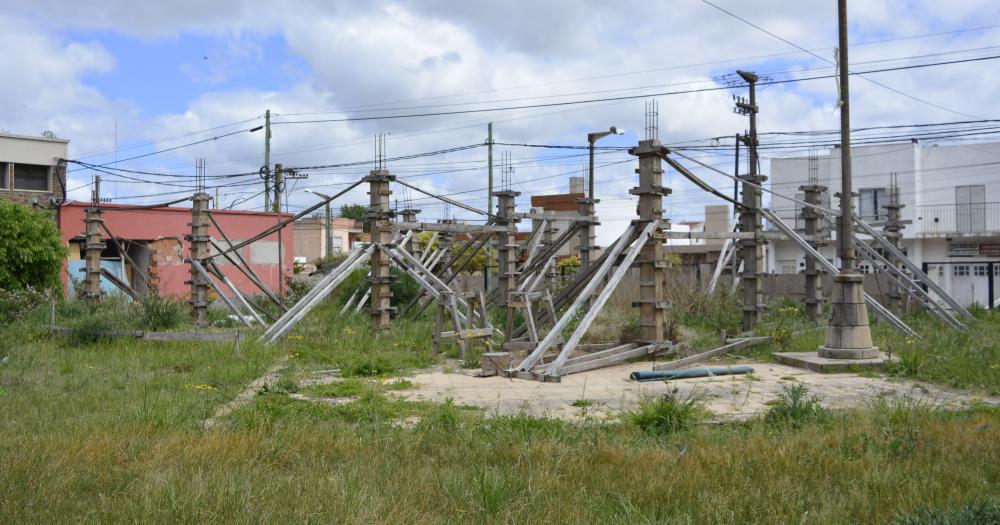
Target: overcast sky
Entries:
(168, 71)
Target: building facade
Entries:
(31, 171)
(155, 240)
(950, 197)
(310, 237)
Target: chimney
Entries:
(576, 184)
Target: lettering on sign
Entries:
(989, 249)
(963, 249)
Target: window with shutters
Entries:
(970, 208)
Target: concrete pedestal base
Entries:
(848, 335)
(816, 363)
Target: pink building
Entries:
(155, 241)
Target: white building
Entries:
(950, 194)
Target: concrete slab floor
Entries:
(609, 391)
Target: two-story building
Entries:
(951, 208)
(30, 171)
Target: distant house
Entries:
(155, 241)
(30, 171)
(310, 237)
(950, 195)
(561, 204)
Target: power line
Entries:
(629, 97)
(828, 61)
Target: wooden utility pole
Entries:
(379, 222)
(651, 262)
(199, 240)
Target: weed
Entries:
(981, 512)
(400, 384)
(668, 413)
(582, 403)
(342, 388)
(161, 314)
(795, 407)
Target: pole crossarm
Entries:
(447, 227)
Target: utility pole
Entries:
(848, 335)
(277, 212)
(489, 204)
(267, 159)
(751, 250)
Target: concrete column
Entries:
(813, 297)
(379, 218)
(413, 245)
(751, 252)
(892, 231)
(651, 191)
(587, 232)
(548, 239)
(199, 242)
(92, 248)
(446, 242)
(507, 249)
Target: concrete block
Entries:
(493, 363)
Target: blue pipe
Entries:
(689, 373)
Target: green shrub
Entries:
(18, 304)
(795, 407)
(667, 414)
(31, 249)
(404, 288)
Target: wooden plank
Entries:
(602, 298)
(120, 284)
(733, 344)
(591, 364)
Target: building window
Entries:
(970, 208)
(864, 268)
(996, 269)
(960, 270)
(979, 270)
(871, 202)
(32, 177)
(4, 175)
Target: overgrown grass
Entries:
(111, 432)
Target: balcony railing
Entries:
(954, 219)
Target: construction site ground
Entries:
(604, 393)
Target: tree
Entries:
(353, 211)
(31, 249)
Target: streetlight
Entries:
(329, 222)
(591, 139)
